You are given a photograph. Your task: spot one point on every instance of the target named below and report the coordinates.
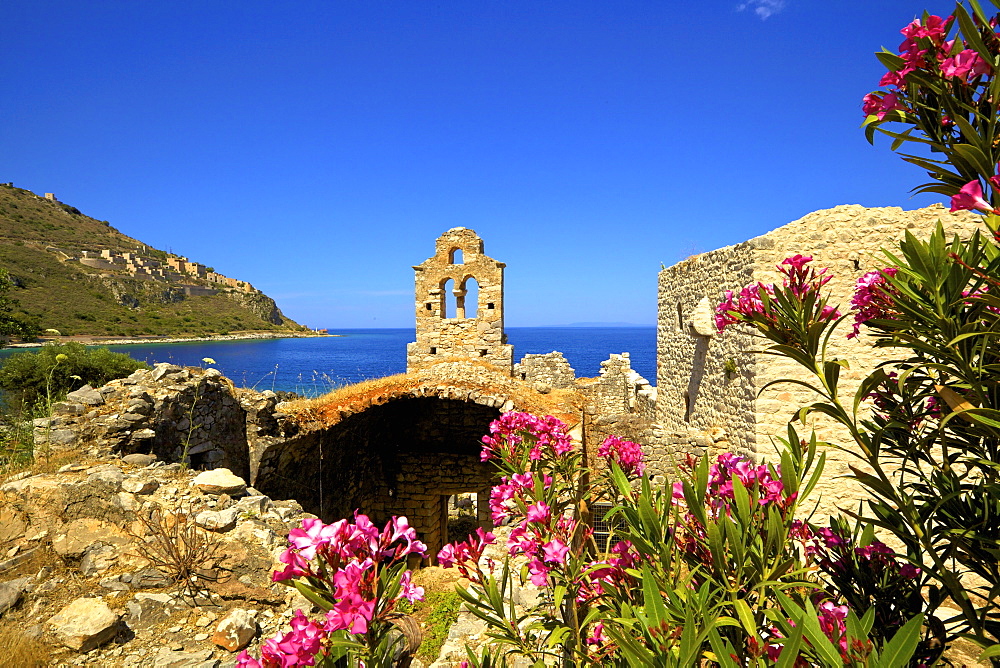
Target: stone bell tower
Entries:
(459, 329)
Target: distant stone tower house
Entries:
(448, 324)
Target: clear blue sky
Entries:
(317, 149)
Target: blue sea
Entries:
(312, 366)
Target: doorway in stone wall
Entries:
(466, 511)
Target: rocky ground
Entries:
(87, 578)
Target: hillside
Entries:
(81, 276)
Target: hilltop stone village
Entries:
(403, 445)
(192, 276)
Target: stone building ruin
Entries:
(448, 324)
(402, 445)
(710, 383)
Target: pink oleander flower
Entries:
(747, 303)
(873, 298)
(539, 572)
(466, 554)
(833, 622)
(933, 29)
(297, 566)
(446, 556)
(965, 65)
(351, 613)
(881, 104)
(521, 541)
(298, 647)
(408, 590)
(970, 198)
(597, 636)
(555, 551)
(507, 434)
(626, 454)
(538, 512)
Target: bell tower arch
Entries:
(444, 333)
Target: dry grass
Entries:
(326, 410)
(21, 650)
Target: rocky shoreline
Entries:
(96, 340)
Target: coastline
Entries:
(109, 341)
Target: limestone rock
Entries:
(139, 459)
(84, 624)
(9, 596)
(164, 368)
(85, 395)
(168, 658)
(220, 481)
(82, 533)
(222, 520)
(236, 630)
(111, 476)
(138, 485)
(57, 437)
(98, 558)
(147, 610)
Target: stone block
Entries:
(84, 624)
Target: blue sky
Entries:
(317, 149)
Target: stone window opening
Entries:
(456, 257)
(680, 317)
(430, 306)
(490, 306)
(434, 351)
(449, 305)
(470, 298)
(687, 407)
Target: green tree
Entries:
(10, 325)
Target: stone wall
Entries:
(550, 369)
(694, 388)
(458, 259)
(710, 380)
(163, 411)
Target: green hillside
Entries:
(41, 243)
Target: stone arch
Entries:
(449, 305)
(455, 256)
(470, 296)
(403, 455)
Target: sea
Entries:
(316, 365)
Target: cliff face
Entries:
(260, 305)
(79, 275)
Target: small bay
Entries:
(312, 366)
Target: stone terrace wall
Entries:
(550, 369)
(694, 389)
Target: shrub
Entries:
(53, 370)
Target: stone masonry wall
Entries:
(441, 334)
(694, 388)
(550, 369)
(620, 389)
(162, 411)
(847, 240)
